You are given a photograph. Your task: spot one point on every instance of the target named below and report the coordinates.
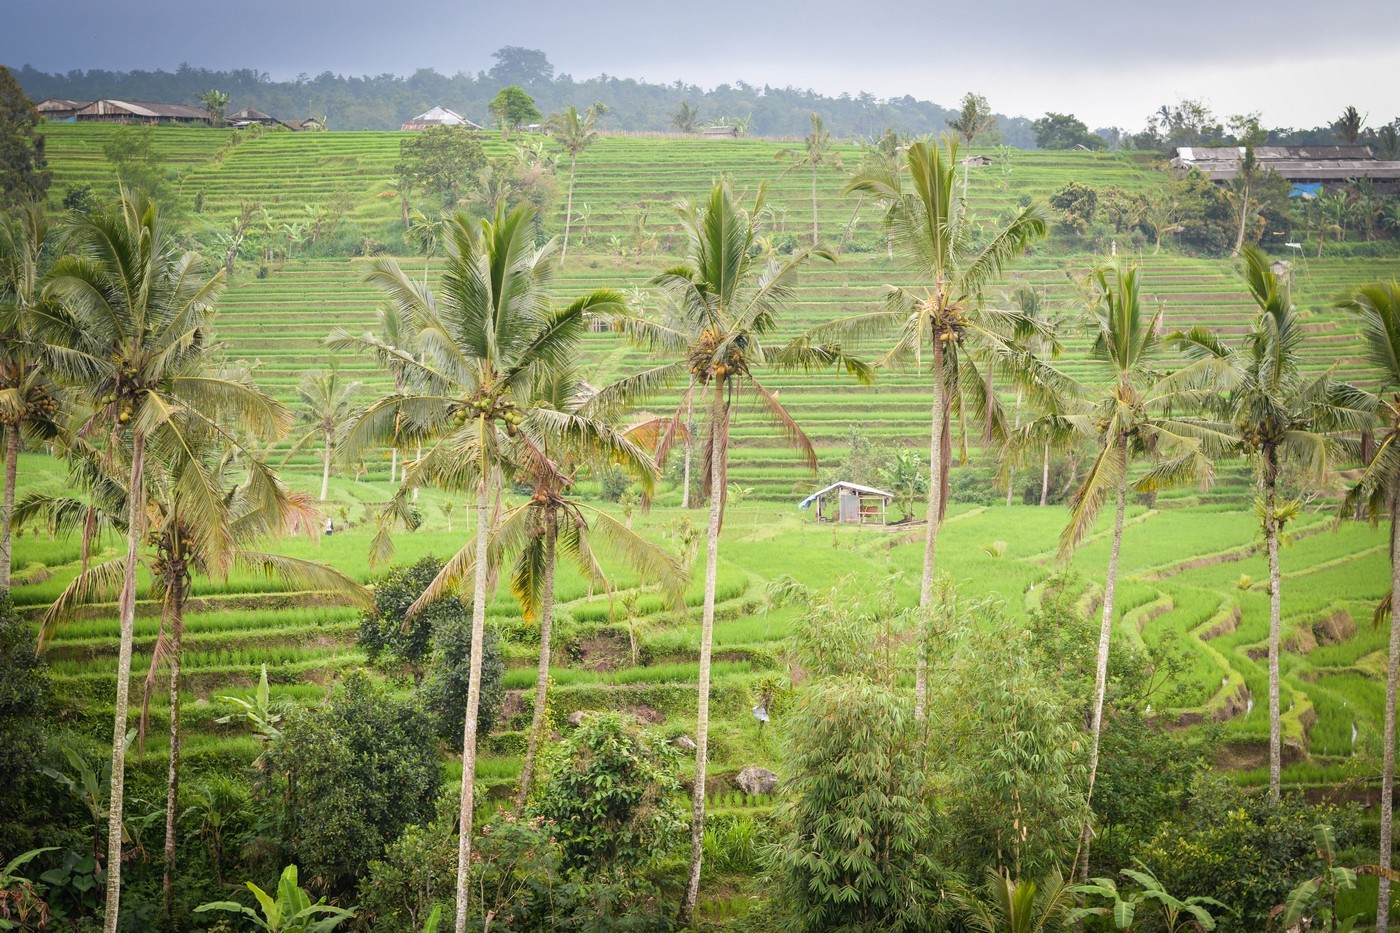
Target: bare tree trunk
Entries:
(126, 614)
(1045, 476)
(816, 236)
(718, 470)
(568, 212)
(1244, 213)
(464, 843)
(935, 518)
(689, 445)
(850, 224)
(8, 514)
(393, 463)
(537, 722)
(326, 469)
(1011, 471)
(1392, 674)
(172, 786)
(1275, 623)
(1101, 665)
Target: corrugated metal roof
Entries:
(146, 109)
(857, 487)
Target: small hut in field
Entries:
(850, 503)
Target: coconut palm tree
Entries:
(946, 321)
(1281, 417)
(1133, 413)
(816, 153)
(729, 299)
(974, 117)
(482, 340)
(550, 521)
(1036, 337)
(1377, 493)
(575, 133)
(207, 510)
(328, 403)
(131, 331)
(28, 395)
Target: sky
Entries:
(1110, 63)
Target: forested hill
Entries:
(384, 102)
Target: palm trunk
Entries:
(1392, 674)
(537, 722)
(816, 236)
(126, 614)
(393, 463)
(689, 436)
(326, 469)
(464, 843)
(935, 518)
(850, 224)
(1045, 476)
(7, 515)
(1101, 663)
(1011, 471)
(718, 470)
(1275, 623)
(568, 212)
(172, 785)
(1244, 213)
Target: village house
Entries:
(1313, 166)
(126, 111)
(439, 116)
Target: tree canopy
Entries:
(24, 169)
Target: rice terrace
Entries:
(912, 527)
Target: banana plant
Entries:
(1315, 899)
(291, 911)
(1177, 915)
(21, 907)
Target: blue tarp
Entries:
(1310, 190)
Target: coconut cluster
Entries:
(492, 408)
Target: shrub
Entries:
(445, 686)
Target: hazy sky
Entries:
(1110, 63)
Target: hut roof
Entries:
(249, 114)
(58, 104)
(856, 487)
(439, 116)
(144, 109)
(1295, 163)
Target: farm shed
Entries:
(310, 124)
(850, 502)
(977, 161)
(130, 111)
(439, 116)
(1324, 166)
(720, 132)
(248, 116)
(59, 110)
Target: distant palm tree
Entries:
(1377, 493)
(945, 321)
(575, 133)
(133, 335)
(728, 298)
(1133, 412)
(974, 118)
(29, 397)
(1349, 126)
(328, 404)
(216, 102)
(686, 118)
(483, 340)
(1281, 417)
(817, 152)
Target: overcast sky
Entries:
(1113, 63)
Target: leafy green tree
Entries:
(1076, 204)
(1377, 494)
(24, 166)
(448, 677)
(613, 797)
(29, 397)
(291, 911)
(353, 774)
(443, 161)
(484, 339)
(945, 319)
(1064, 131)
(513, 109)
(575, 133)
(135, 332)
(728, 298)
(1132, 412)
(1388, 142)
(1282, 418)
(818, 151)
(26, 705)
(516, 65)
(855, 854)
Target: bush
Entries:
(350, 776)
(444, 688)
